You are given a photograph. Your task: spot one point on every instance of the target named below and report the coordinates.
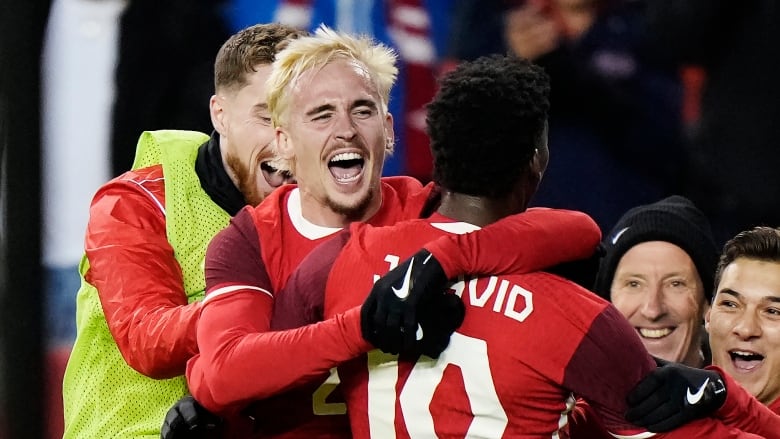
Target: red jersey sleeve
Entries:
(608, 363)
(302, 301)
(139, 281)
(240, 359)
(743, 411)
(543, 238)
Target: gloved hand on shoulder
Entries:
(673, 395)
(408, 309)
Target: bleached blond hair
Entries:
(316, 51)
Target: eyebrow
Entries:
(320, 109)
(364, 103)
(329, 107)
(729, 291)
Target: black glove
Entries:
(439, 317)
(390, 316)
(673, 395)
(188, 419)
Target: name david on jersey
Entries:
(509, 299)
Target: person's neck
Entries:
(320, 214)
(479, 211)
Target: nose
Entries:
(344, 128)
(653, 304)
(747, 326)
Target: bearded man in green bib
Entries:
(142, 273)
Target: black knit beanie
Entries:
(674, 219)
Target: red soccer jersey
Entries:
(527, 344)
(742, 410)
(245, 265)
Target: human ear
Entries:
(284, 145)
(389, 134)
(217, 114)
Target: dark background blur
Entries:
(22, 411)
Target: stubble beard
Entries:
(247, 181)
(353, 212)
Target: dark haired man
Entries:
(744, 330)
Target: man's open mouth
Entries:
(274, 176)
(346, 167)
(745, 361)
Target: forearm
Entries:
(156, 339)
(530, 241)
(741, 410)
(241, 361)
(706, 428)
(140, 284)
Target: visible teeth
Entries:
(654, 333)
(747, 354)
(742, 352)
(348, 179)
(346, 156)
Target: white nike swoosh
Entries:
(419, 334)
(694, 398)
(403, 292)
(619, 234)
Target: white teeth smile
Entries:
(745, 353)
(654, 333)
(346, 156)
(348, 179)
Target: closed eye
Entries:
(727, 304)
(364, 112)
(322, 116)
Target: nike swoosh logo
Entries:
(619, 234)
(403, 292)
(694, 398)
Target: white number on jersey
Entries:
(470, 355)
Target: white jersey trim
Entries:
(302, 225)
(156, 201)
(459, 228)
(633, 436)
(233, 288)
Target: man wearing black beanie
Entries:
(658, 271)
